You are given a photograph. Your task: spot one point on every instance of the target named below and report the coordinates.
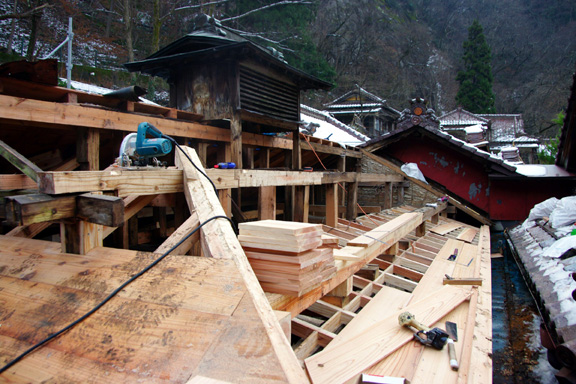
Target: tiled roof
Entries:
(451, 140)
(461, 117)
(361, 91)
(341, 132)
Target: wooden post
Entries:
(400, 193)
(133, 231)
(249, 158)
(264, 157)
(225, 195)
(288, 191)
(296, 155)
(160, 220)
(267, 203)
(421, 229)
(226, 200)
(88, 149)
(387, 195)
(236, 140)
(339, 295)
(306, 208)
(299, 203)
(435, 218)
(332, 205)
(203, 153)
(79, 236)
(341, 165)
(352, 201)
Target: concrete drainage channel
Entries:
(518, 354)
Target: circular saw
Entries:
(142, 149)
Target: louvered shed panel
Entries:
(262, 94)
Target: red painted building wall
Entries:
(467, 176)
(462, 175)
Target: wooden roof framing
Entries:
(192, 318)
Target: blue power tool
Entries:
(142, 148)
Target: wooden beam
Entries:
(358, 257)
(17, 160)
(223, 244)
(132, 205)
(11, 182)
(179, 235)
(38, 208)
(58, 115)
(309, 145)
(126, 182)
(100, 209)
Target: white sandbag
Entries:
(560, 247)
(411, 169)
(564, 213)
(543, 209)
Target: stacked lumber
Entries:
(287, 257)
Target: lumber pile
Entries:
(287, 257)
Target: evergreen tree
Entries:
(475, 92)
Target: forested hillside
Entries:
(397, 49)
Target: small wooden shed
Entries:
(219, 74)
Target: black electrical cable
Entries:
(123, 285)
(190, 160)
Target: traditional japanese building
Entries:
(496, 188)
(499, 132)
(231, 81)
(364, 111)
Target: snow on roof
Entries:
(374, 110)
(97, 90)
(331, 129)
(476, 128)
(356, 105)
(531, 170)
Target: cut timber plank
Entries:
(278, 244)
(445, 228)
(382, 233)
(279, 228)
(220, 241)
(467, 235)
(350, 358)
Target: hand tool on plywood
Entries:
(452, 330)
(453, 256)
(434, 337)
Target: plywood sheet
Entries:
(187, 316)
